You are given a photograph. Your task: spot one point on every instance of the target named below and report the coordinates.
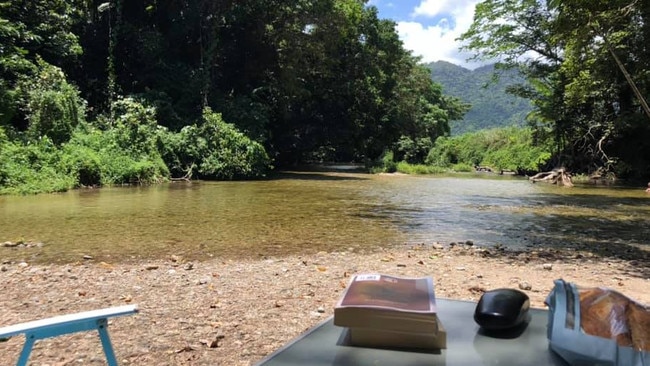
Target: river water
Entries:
(306, 212)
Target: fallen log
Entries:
(557, 176)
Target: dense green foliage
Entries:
(485, 89)
(124, 153)
(31, 168)
(140, 91)
(510, 149)
(214, 150)
(587, 67)
(95, 92)
(507, 149)
(51, 105)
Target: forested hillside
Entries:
(491, 106)
(104, 92)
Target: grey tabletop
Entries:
(467, 344)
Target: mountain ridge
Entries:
(491, 107)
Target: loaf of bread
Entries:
(638, 318)
(610, 314)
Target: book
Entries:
(388, 303)
(368, 337)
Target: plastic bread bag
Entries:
(610, 314)
(597, 326)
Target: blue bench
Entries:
(65, 324)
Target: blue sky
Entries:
(429, 28)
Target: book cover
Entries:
(388, 302)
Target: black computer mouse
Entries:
(502, 308)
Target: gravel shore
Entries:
(235, 312)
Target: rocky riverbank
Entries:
(235, 312)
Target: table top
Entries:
(467, 344)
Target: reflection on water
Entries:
(309, 212)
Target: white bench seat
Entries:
(66, 324)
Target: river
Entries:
(306, 212)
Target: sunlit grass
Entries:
(406, 168)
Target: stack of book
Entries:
(388, 311)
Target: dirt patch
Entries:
(235, 312)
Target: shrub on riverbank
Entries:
(508, 149)
(27, 168)
(406, 168)
(95, 158)
(129, 148)
(125, 152)
(213, 149)
(511, 149)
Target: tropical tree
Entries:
(31, 31)
(587, 64)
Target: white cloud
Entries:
(435, 7)
(438, 41)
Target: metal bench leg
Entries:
(102, 327)
(27, 349)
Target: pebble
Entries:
(321, 309)
(525, 286)
(547, 266)
(214, 343)
(87, 257)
